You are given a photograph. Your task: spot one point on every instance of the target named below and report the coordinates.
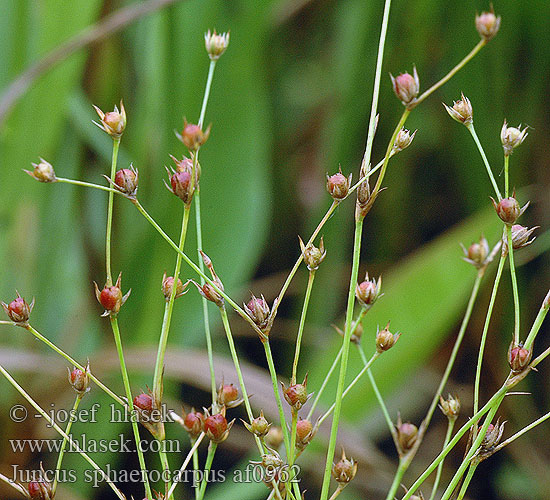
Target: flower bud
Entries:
(304, 433)
(385, 339)
(259, 427)
(192, 136)
(193, 423)
(144, 402)
(407, 434)
(450, 407)
(403, 140)
(80, 380)
(338, 185)
(477, 253)
(40, 490)
(216, 44)
(228, 396)
(274, 438)
(168, 285)
(258, 311)
(461, 111)
(487, 25)
(18, 310)
(126, 181)
(42, 171)
(112, 122)
(492, 436)
(520, 237)
(313, 256)
(344, 471)
(217, 428)
(406, 87)
(368, 291)
(508, 209)
(518, 357)
(111, 298)
(296, 395)
(511, 138)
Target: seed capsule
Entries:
(126, 181)
(344, 471)
(18, 310)
(406, 87)
(111, 298)
(193, 423)
(296, 395)
(259, 427)
(385, 340)
(42, 171)
(144, 402)
(168, 285)
(450, 407)
(338, 185)
(519, 357)
(407, 434)
(192, 136)
(217, 428)
(461, 111)
(511, 138)
(368, 291)
(508, 209)
(258, 310)
(80, 380)
(487, 25)
(112, 122)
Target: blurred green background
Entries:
(289, 103)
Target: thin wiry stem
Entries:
(485, 331)
(75, 363)
(74, 444)
(467, 479)
(88, 184)
(401, 469)
(448, 434)
(537, 323)
(451, 73)
(109, 279)
(207, 466)
(472, 131)
(64, 444)
(305, 306)
(520, 433)
(14, 485)
(185, 463)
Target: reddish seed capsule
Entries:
(518, 357)
(258, 310)
(296, 395)
(338, 185)
(193, 423)
(274, 438)
(79, 380)
(112, 122)
(111, 298)
(406, 86)
(406, 436)
(39, 490)
(368, 291)
(144, 402)
(259, 426)
(216, 427)
(167, 286)
(227, 394)
(192, 136)
(344, 470)
(126, 181)
(18, 310)
(304, 432)
(508, 209)
(487, 25)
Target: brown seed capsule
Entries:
(461, 111)
(518, 357)
(407, 434)
(492, 436)
(403, 140)
(344, 471)
(111, 298)
(508, 209)
(313, 256)
(258, 310)
(406, 87)
(217, 428)
(192, 136)
(304, 433)
(274, 438)
(186, 165)
(40, 490)
(168, 285)
(42, 171)
(520, 237)
(368, 291)
(80, 380)
(487, 25)
(477, 253)
(182, 186)
(126, 181)
(112, 122)
(385, 340)
(450, 407)
(193, 423)
(338, 185)
(144, 402)
(259, 426)
(18, 310)
(228, 396)
(215, 44)
(296, 395)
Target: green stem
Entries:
(456, 347)
(168, 310)
(344, 362)
(293, 437)
(192, 453)
(196, 467)
(301, 326)
(350, 387)
(236, 362)
(74, 444)
(485, 331)
(475, 445)
(75, 363)
(109, 280)
(451, 73)
(128, 390)
(449, 433)
(522, 431)
(377, 392)
(88, 184)
(273, 374)
(15, 486)
(492, 403)
(467, 479)
(401, 469)
(166, 468)
(64, 444)
(536, 324)
(472, 131)
(207, 467)
(211, 69)
(506, 176)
